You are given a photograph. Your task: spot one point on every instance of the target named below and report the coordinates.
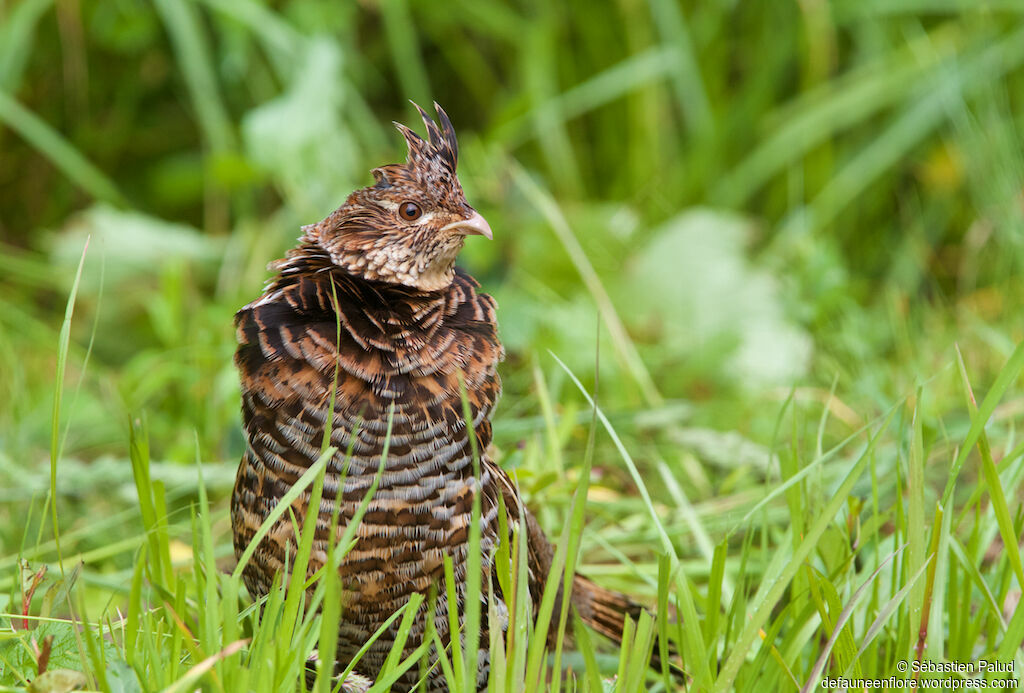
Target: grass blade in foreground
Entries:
(282, 506)
(694, 648)
(991, 475)
(770, 594)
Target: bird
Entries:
(369, 314)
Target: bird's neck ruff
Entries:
(359, 249)
(393, 308)
(309, 260)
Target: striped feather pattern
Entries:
(395, 347)
(369, 309)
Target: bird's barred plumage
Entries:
(370, 300)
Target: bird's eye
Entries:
(410, 211)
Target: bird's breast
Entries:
(405, 385)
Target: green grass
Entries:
(778, 244)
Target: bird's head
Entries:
(408, 227)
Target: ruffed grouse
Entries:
(411, 325)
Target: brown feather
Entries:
(369, 307)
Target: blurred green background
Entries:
(740, 198)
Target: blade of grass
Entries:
(825, 112)
(58, 396)
(281, 41)
(330, 617)
(989, 472)
(692, 520)
(1010, 647)
(713, 606)
(691, 92)
(372, 639)
(192, 676)
(916, 525)
(16, 37)
(812, 466)
(919, 118)
(884, 613)
(307, 478)
(403, 41)
(474, 559)
(695, 650)
(929, 586)
(664, 580)
(576, 515)
(55, 438)
(132, 624)
(402, 634)
(540, 87)
(385, 682)
(94, 647)
(497, 678)
(844, 618)
(769, 594)
(628, 75)
(297, 590)
(458, 660)
(59, 151)
(193, 54)
(624, 347)
(971, 568)
(638, 653)
(210, 598)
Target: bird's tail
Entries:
(605, 611)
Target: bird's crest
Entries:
(440, 148)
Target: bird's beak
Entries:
(476, 225)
